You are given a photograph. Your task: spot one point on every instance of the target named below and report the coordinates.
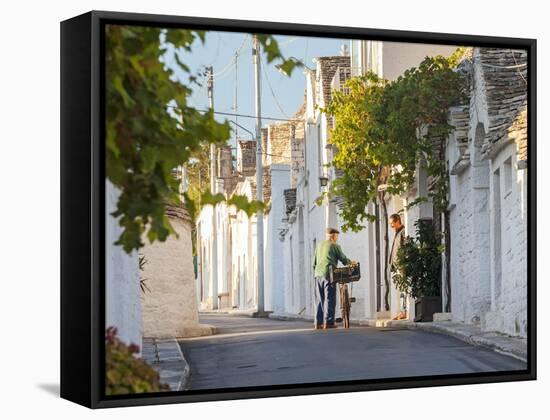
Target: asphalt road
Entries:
(258, 351)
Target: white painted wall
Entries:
(508, 312)
(391, 59)
(273, 252)
(122, 291)
(470, 276)
(356, 247)
(396, 57)
(488, 231)
(237, 268)
(470, 293)
(204, 262)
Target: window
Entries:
(345, 75)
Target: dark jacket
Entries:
(398, 240)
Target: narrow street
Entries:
(258, 351)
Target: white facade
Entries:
(244, 254)
(237, 248)
(390, 59)
(488, 214)
(273, 252)
(224, 254)
(122, 290)
(508, 245)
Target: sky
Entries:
(281, 96)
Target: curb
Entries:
(250, 313)
(471, 334)
(185, 382)
(509, 346)
(166, 357)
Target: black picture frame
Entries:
(83, 203)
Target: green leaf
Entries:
(241, 202)
(207, 198)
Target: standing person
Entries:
(327, 255)
(399, 228)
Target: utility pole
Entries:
(214, 242)
(259, 176)
(235, 102)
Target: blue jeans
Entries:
(325, 301)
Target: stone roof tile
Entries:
(505, 75)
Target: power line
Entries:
(271, 154)
(238, 115)
(273, 93)
(231, 63)
(217, 51)
(225, 69)
(288, 41)
(242, 44)
(281, 156)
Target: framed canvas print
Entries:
(254, 209)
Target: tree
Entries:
(151, 129)
(198, 176)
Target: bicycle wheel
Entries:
(345, 304)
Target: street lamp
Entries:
(241, 127)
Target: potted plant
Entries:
(419, 261)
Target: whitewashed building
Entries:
(487, 157)
(236, 264)
(306, 221)
(122, 290)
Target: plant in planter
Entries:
(419, 260)
(125, 373)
